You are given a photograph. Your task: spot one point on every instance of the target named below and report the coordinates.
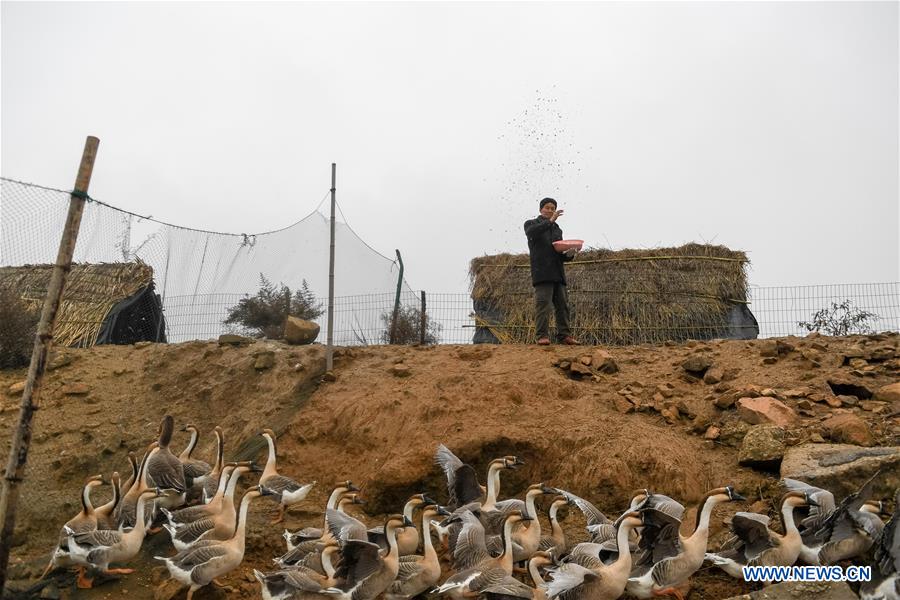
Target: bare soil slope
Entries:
(378, 419)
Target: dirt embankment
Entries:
(378, 420)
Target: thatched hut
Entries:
(695, 291)
(112, 303)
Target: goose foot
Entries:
(279, 515)
(82, 582)
(118, 571)
(669, 591)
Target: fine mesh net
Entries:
(198, 274)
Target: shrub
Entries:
(18, 325)
(840, 319)
(409, 327)
(263, 315)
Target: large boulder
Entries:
(847, 428)
(762, 448)
(758, 411)
(300, 331)
(889, 393)
(842, 468)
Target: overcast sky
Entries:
(767, 127)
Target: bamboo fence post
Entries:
(18, 455)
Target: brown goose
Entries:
(557, 537)
(505, 591)
(85, 520)
(211, 483)
(364, 572)
(588, 577)
(189, 514)
(754, 544)
(125, 514)
(99, 548)
(106, 514)
(308, 551)
(287, 491)
(418, 573)
(478, 570)
(207, 560)
(527, 536)
(300, 581)
(407, 537)
(669, 558)
(215, 526)
(195, 471)
(165, 470)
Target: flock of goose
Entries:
(495, 548)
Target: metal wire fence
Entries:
(450, 318)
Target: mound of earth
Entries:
(598, 422)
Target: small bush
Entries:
(263, 315)
(18, 325)
(409, 327)
(840, 319)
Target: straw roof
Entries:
(618, 297)
(91, 292)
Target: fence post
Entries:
(329, 349)
(18, 454)
(424, 321)
(393, 335)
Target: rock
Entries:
(622, 404)
(833, 401)
(585, 360)
(805, 405)
(60, 360)
(731, 374)
(725, 401)
(264, 360)
(758, 411)
(796, 393)
(769, 360)
(666, 390)
(848, 400)
(712, 433)
(16, 389)
(671, 414)
(842, 468)
(76, 389)
(578, 370)
(697, 364)
(795, 590)
(768, 348)
(230, 339)
(763, 447)
(300, 331)
(872, 405)
(603, 362)
(713, 375)
(816, 438)
(329, 376)
(889, 393)
(732, 433)
(401, 370)
(848, 429)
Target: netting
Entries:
(193, 270)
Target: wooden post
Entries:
(393, 336)
(329, 349)
(18, 455)
(424, 321)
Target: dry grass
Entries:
(618, 297)
(92, 291)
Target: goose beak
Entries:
(351, 487)
(443, 511)
(428, 499)
(407, 522)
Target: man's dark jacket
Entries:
(546, 262)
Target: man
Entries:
(548, 275)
